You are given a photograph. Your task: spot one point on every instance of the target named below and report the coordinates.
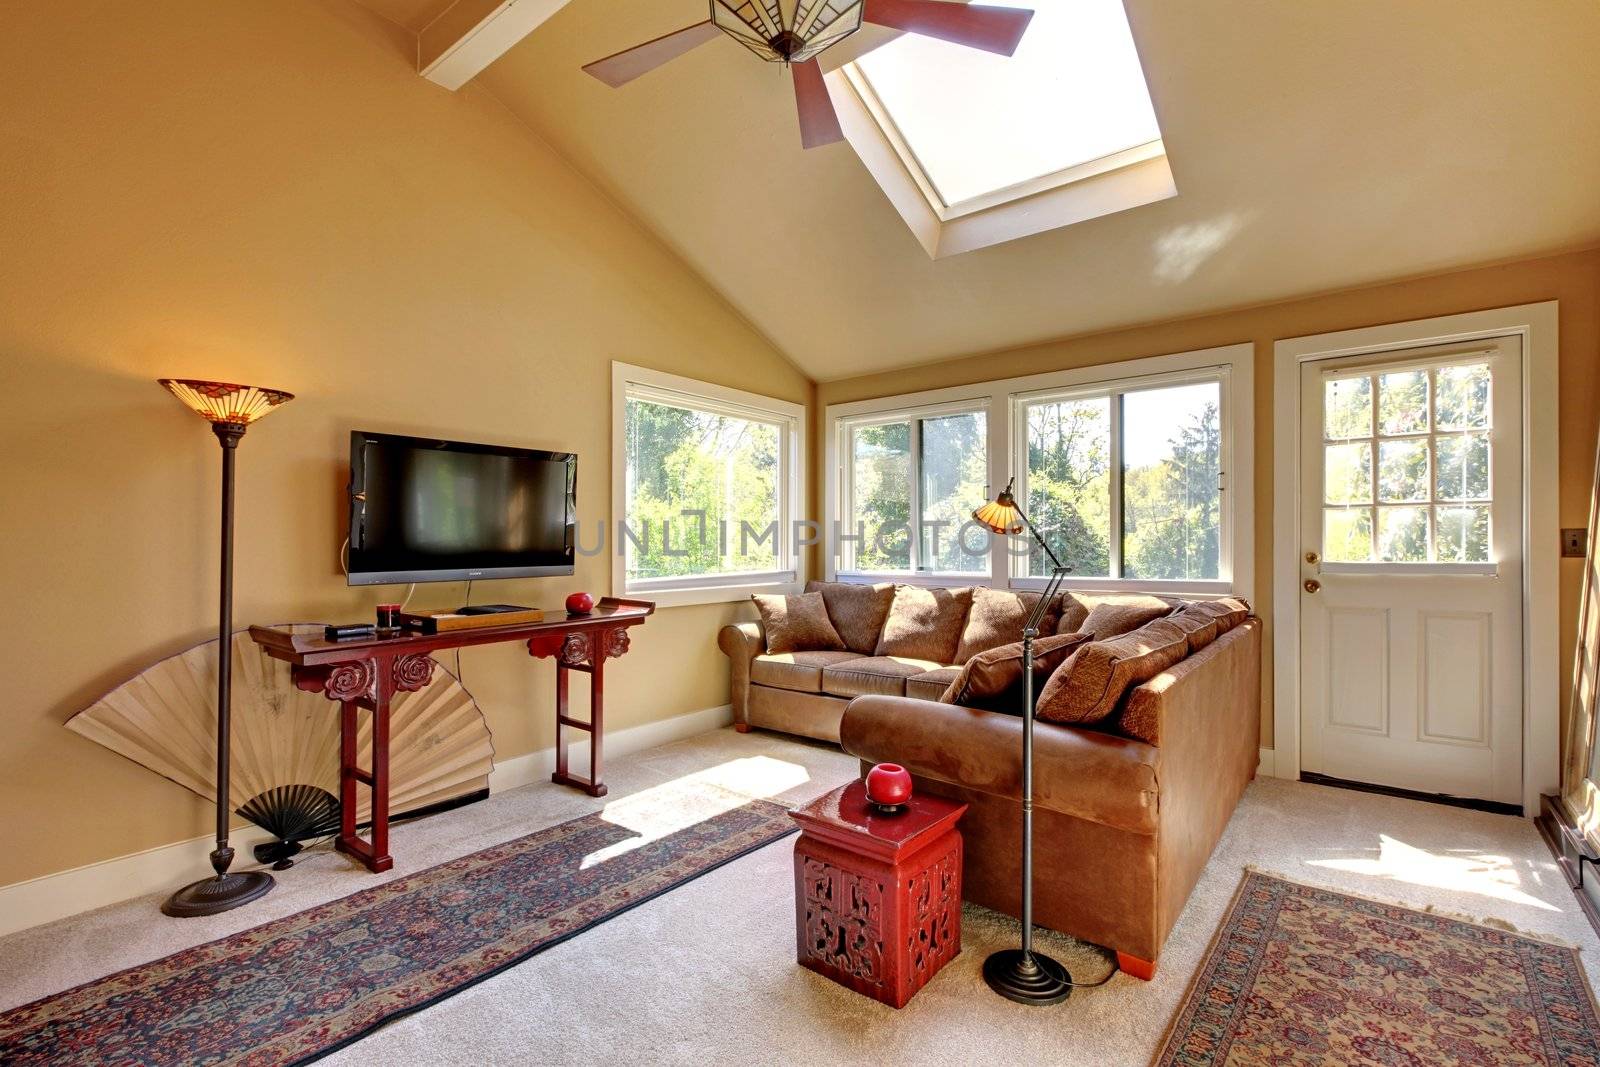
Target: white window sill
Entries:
(938, 581)
(682, 592)
(1203, 587)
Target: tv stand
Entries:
(366, 673)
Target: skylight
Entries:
(978, 124)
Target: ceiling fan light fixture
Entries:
(787, 31)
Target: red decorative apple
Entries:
(889, 786)
(580, 604)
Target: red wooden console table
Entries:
(367, 672)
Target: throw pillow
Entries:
(857, 611)
(1229, 611)
(797, 623)
(1113, 616)
(1088, 686)
(1073, 612)
(925, 623)
(1200, 627)
(992, 679)
(996, 619)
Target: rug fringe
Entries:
(1489, 921)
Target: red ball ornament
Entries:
(580, 604)
(889, 786)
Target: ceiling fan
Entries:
(793, 32)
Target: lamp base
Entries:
(1027, 978)
(219, 893)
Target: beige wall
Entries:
(1574, 280)
(267, 192)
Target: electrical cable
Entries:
(466, 603)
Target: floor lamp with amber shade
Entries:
(230, 409)
(1023, 975)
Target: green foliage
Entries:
(1172, 510)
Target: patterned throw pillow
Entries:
(857, 611)
(996, 619)
(1073, 612)
(992, 679)
(797, 624)
(1113, 616)
(1200, 627)
(1229, 611)
(925, 623)
(1088, 686)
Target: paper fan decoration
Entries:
(285, 774)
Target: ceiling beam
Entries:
(470, 34)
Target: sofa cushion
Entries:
(857, 611)
(996, 619)
(874, 674)
(925, 623)
(1071, 611)
(799, 671)
(1117, 614)
(931, 686)
(1229, 612)
(1200, 628)
(992, 679)
(797, 623)
(1088, 686)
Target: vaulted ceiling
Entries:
(1315, 146)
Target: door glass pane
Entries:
(1403, 402)
(1347, 535)
(1403, 535)
(955, 475)
(1402, 471)
(1347, 408)
(1464, 467)
(1069, 482)
(1347, 473)
(1462, 534)
(1171, 470)
(681, 459)
(1463, 400)
(880, 504)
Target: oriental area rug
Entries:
(304, 985)
(1300, 975)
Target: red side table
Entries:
(877, 897)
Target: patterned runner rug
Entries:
(301, 986)
(1298, 975)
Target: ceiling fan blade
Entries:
(819, 123)
(627, 65)
(993, 29)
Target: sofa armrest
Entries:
(741, 642)
(1082, 773)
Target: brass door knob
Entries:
(1312, 585)
(1312, 557)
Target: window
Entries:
(1136, 473)
(706, 486)
(1405, 458)
(1125, 481)
(912, 481)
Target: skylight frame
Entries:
(861, 84)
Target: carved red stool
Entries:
(877, 898)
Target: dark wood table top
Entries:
(846, 817)
(305, 645)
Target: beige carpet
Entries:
(706, 974)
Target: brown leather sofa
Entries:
(1122, 827)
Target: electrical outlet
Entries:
(1573, 541)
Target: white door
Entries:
(1411, 570)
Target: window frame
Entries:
(1233, 365)
(633, 382)
(845, 506)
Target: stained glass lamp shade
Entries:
(785, 31)
(1000, 514)
(224, 402)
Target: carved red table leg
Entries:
(878, 897)
(585, 651)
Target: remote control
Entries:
(349, 630)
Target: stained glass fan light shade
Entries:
(224, 402)
(787, 32)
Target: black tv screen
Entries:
(423, 510)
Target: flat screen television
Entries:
(423, 510)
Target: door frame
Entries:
(1538, 327)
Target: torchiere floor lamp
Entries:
(1023, 975)
(230, 409)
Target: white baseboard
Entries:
(1267, 768)
(166, 867)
